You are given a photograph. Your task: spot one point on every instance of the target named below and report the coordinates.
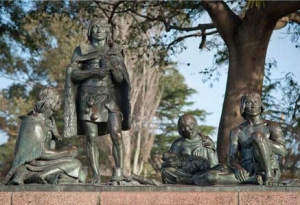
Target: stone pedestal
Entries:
(125, 195)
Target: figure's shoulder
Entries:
(270, 123)
(178, 140)
(241, 127)
(274, 127)
(207, 141)
(235, 131)
(77, 50)
(177, 144)
(76, 53)
(36, 119)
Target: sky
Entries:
(209, 98)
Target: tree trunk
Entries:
(245, 74)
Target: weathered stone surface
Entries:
(175, 194)
(269, 198)
(5, 198)
(54, 198)
(164, 188)
(174, 198)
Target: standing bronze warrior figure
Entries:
(97, 96)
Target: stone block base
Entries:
(173, 195)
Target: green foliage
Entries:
(281, 96)
(6, 156)
(255, 4)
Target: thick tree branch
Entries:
(279, 9)
(294, 17)
(223, 18)
(116, 5)
(296, 107)
(169, 26)
(181, 38)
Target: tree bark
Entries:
(247, 41)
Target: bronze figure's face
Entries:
(253, 105)
(187, 126)
(99, 31)
(56, 104)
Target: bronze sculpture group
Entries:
(97, 102)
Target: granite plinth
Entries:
(89, 194)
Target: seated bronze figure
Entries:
(190, 156)
(35, 161)
(253, 148)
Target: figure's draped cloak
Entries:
(30, 142)
(72, 126)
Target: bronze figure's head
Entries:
(99, 29)
(187, 126)
(251, 104)
(47, 99)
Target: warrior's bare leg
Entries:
(115, 130)
(58, 169)
(91, 131)
(226, 177)
(262, 153)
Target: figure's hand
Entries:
(100, 73)
(173, 162)
(75, 63)
(167, 155)
(241, 174)
(73, 151)
(103, 64)
(196, 153)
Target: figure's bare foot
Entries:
(17, 182)
(57, 179)
(270, 182)
(120, 182)
(117, 175)
(39, 179)
(118, 178)
(96, 180)
(259, 180)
